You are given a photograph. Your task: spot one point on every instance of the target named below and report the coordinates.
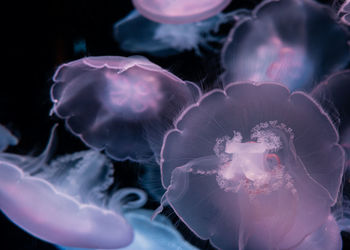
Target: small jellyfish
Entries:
(66, 202)
(6, 138)
(122, 105)
(157, 234)
(177, 12)
(294, 42)
(252, 166)
(166, 39)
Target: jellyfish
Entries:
(177, 12)
(253, 166)
(162, 40)
(157, 234)
(122, 105)
(294, 42)
(66, 202)
(344, 12)
(6, 138)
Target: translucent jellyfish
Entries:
(169, 11)
(294, 42)
(66, 202)
(344, 12)
(158, 234)
(166, 39)
(6, 138)
(252, 166)
(123, 105)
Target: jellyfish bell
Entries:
(284, 41)
(6, 138)
(66, 202)
(122, 105)
(157, 234)
(177, 12)
(259, 178)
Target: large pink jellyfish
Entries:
(182, 11)
(253, 167)
(296, 42)
(66, 201)
(117, 103)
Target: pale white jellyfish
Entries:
(180, 11)
(157, 234)
(254, 166)
(66, 202)
(122, 105)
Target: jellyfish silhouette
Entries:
(6, 138)
(66, 202)
(294, 42)
(253, 166)
(162, 40)
(157, 234)
(183, 11)
(123, 105)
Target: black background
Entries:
(38, 38)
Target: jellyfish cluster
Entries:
(253, 154)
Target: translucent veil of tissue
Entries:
(254, 166)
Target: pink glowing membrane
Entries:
(65, 202)
(169, 11)
(283, 42)
(117, 103)
(262, 177)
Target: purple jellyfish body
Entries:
(66, 201)
(344, 12)
(123, 105)
(252, 167)
(294, 42)
(177, 12)
(6, 138)
(165, 39)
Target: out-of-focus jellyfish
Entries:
(123, 105)
(253, 166)
(333, 95)
(157, 234)
(167, 39)
(294, 42)
(176, 12)
(6, 138)
(66, 202)
(344, 12)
